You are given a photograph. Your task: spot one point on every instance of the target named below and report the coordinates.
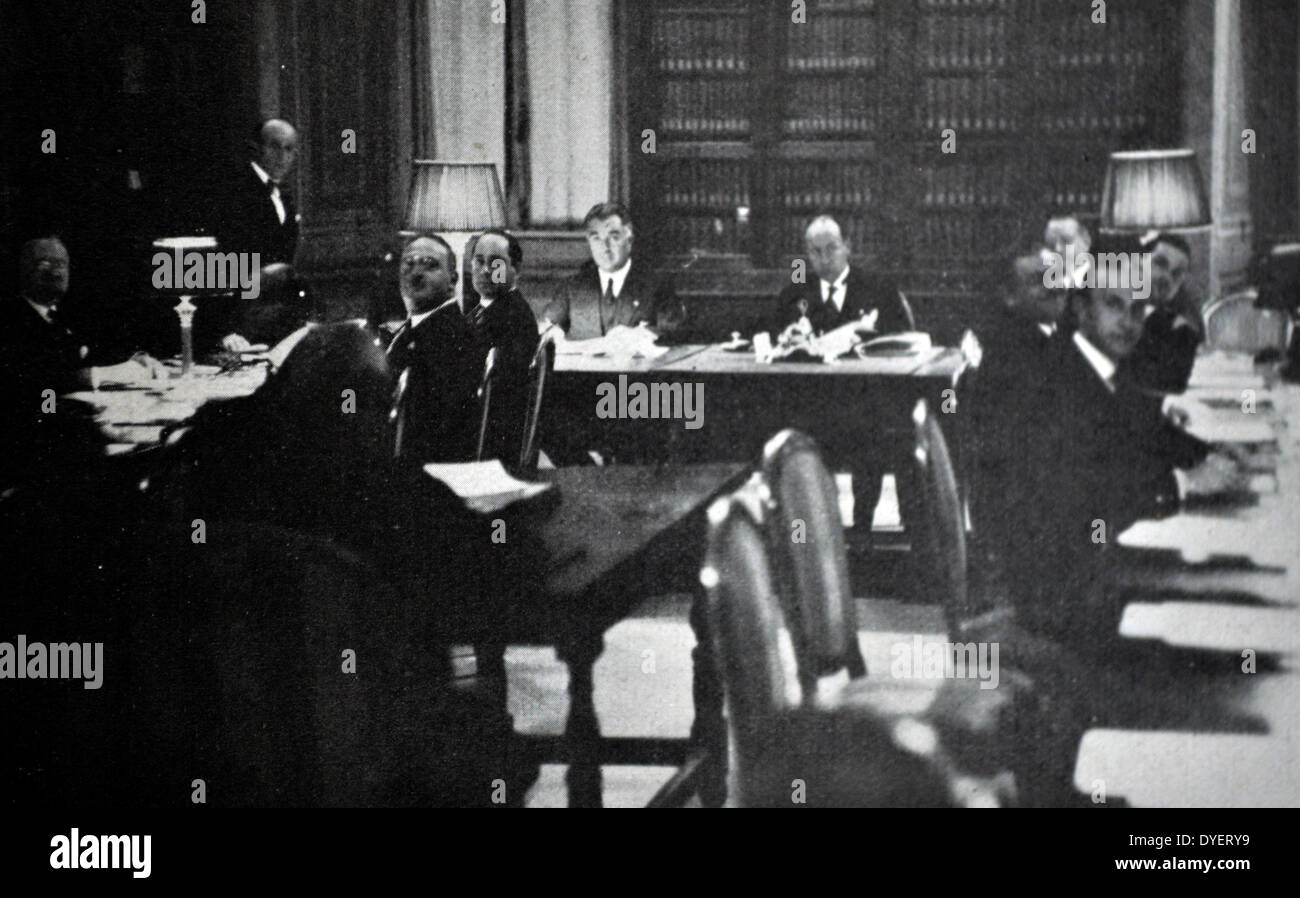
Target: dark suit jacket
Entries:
(863, 292)
(446, 357)
(647, 297)
(1165, 354)
(1016, 357)
(1090, 456)
(245, 221)
(36, 356)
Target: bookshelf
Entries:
(762, 122)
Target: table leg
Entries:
(582, 732)
(709, 729)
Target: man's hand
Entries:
(1217, 475)
(235, 343)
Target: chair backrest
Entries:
(539, 375)
(397, 414)
(942, 528)
(1234, 324)
(485, 403)
(806, 545)
(746, 620)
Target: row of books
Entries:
(970, 185)
(707, 183)
(958, 238)
(832, 44)
(717, 43)
(985, 105)
(705, 108)
(960, 42)
(1076, 121)
(1073, 41)
(681, 233)
(842, 106)
(969, 4)
(823, 185)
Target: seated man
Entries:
(1174, 328)
(445, 344)
(613, 290)
(42, 352)
(838, 295)
(1100, 456)
(1014, 355)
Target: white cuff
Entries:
(1184, 483)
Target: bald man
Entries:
(832, 293)
(256, 215)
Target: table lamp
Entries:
(185, 309)
(454, 200)
(1154, 190)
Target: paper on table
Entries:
(485, 486)
(1210, 625)
(624, 342)
(1226, 426)
(1201, 537)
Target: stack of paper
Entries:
(620, 342)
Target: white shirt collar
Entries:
(618, 277)
(1099, 361)
(42, 310)
(416, 319)
(1047, 329)
(276, 201)
(840, 293)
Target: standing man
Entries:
(256, 215)
(613, 290)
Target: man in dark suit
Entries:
(44, 354)
(613, 290)
(446, 343)
(1163, 358)
(256, 215)
(839, 294)
(1099, 455)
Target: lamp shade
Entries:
(454, 196)
(1154, 189)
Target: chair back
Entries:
(1235, 324)
(805, 539)
(746, 621)
(397, 413)
(942, 528)
(485, 403)
(539, 376)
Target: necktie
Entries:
(607, 302)
(832, 313)
(399, 335)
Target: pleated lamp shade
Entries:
(454, 196)
(1154, 190)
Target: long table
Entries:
(1218, 588)
(847, 403)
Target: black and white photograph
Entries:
(875, 404)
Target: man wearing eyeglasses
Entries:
(43, 355)
(445, 345)
(614, 290)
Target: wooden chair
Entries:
(539, 375)
(806, 542)
(397, 414)
(1235, 324)
(791, 751)
(941, 530)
